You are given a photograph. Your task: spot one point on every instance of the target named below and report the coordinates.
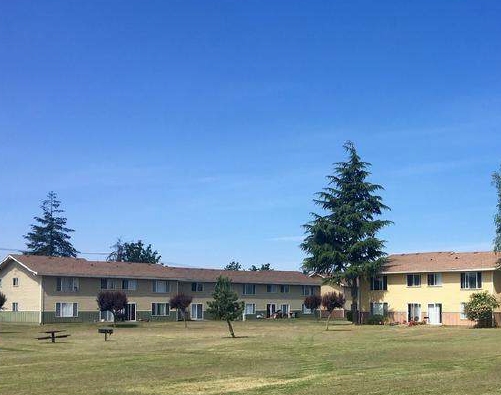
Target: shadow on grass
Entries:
(338, 330)
(6, 332)
(125, 326)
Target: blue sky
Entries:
(205, 128)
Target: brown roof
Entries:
(79, 267)
(441, 262)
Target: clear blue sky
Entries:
(205, 128)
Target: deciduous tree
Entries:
(114, 301)
(264, 267)
(225, 305)
(50, 236)
(313, 302)
(480, 307)
(133, 252)
(331, 301)
(181, 302)
(236, 266)
(341, 243)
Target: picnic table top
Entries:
(53, 331)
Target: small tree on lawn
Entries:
(180, 302)
(225, 305)
(480, 307)
(313, 302)
(114, 301)
(3, 299)
(331, 301)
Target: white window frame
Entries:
(379, 283)
(245, 290)
(308, 290)
(106, 316)
(252, 310)
(60, 309)
(414, 306)
(284, 288)
(272, 288)
(413, 282)
(437, 279)
(191, 311)
(156, 286)
(306, 310)
(478, 276)
(379, 308)
(67, 284)
(286, 310)
(197, 287)
(462, 313)
(15, 306)
(155, 310)
(111, 283)
(129, 284)
(15, 281)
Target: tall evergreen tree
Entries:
(496, 181)
(50, 236)
(342, 244)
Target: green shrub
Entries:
(480, 308)
(376, 319)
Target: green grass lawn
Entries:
(270, 357)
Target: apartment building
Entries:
(53, 289)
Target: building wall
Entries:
(449, 294)
(26, 294)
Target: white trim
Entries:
(19, 262)
(443, 271)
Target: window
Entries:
(249, 289)
(160, 309)
(414, 312)
(67, 284)
(435, 279)
(462, 311)
(250, 308)
(308, 290)
(106, 316)
(272, 288)
(284, 289)
(15, 282)
(130, 285)
(109, 283)
(197, 287)
(160, 286)
(15, 306)
(379, 308)
(413, 280)
(379, 283)
(66, 309)
(305, 310)
(471, 280)
(285, 309)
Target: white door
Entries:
(130, 312)
(196, 311)
(435, 313)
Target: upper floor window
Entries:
(471, 280)
(160, 286)
(284, 289)
(15, 306)
(197, 287)
(130, 285)
(109, 283)
(67, 284)
(15, 282)
(413, 280)
(272, 288)
(249, 289)
(308, 290)
(434, 279)
(379, 283)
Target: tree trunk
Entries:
(328, 320)
(355, 312)
(184, 319)
(230, 328)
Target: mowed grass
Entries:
(269, 357)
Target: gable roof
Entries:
(79, 267)
(441, 262)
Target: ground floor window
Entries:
(285, 309)
(414, 312)
(305, 310)
(250, 308)
(378, 308)
(462, 311)
(160, 309)
(64, 309)
(197, 311)
(106, 316)
(15, 306)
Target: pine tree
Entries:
(342, 244)
(51, 236)
(496, 181)
(225, 305)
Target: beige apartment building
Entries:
(43, 289)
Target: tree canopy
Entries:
(480, 307)
(50, 236)
(331, 301)
(341, 243)
(3, 299)
(225, 305)
(133, 252)
(114, 301)
(181, 302)
(263, 268)
(233, 265)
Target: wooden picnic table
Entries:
(106, 331)
(52, 336)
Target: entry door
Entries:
(435, 313)
(130, 312)
(196, 311)
(271, 308)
